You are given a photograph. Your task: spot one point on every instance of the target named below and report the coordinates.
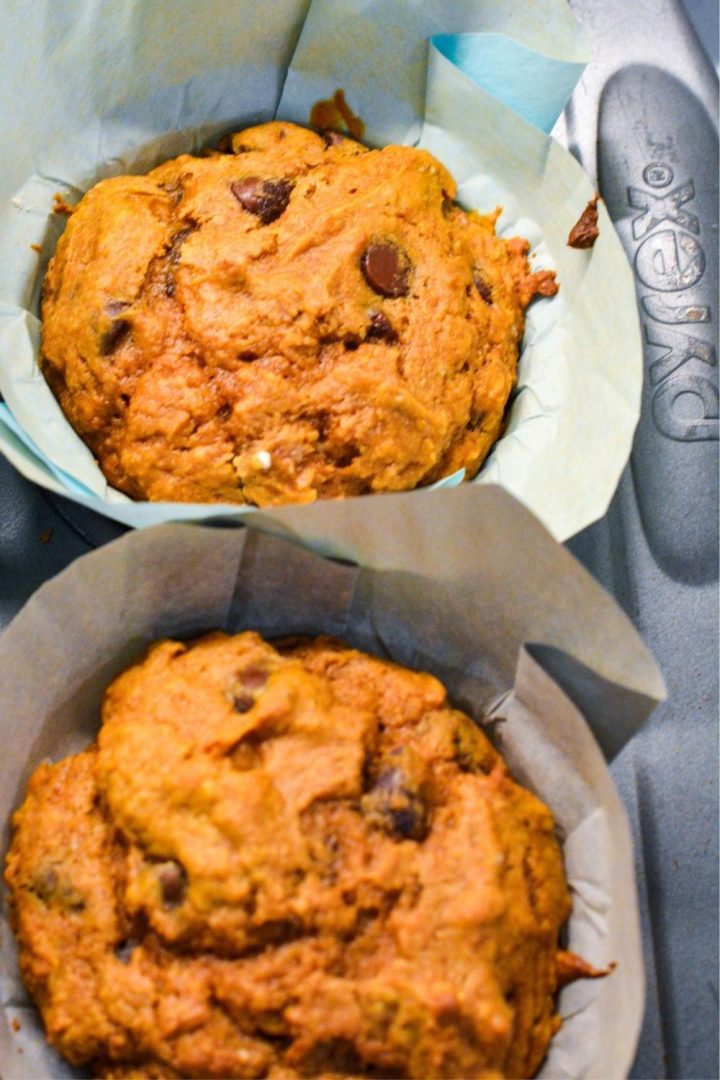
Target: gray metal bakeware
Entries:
(643, 122)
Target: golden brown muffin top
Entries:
(301, 318)
(287, 862)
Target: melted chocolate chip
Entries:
(114, 336)
(386, 268)
(248, 193)
(173, 881)
(177, 240)
(402, 807)
(381, 328)
(172, 252)
(125, 949)
(253, 678)
(482, 286)
(266, 199)
(242, 702)
(224, 412)
(242, 692)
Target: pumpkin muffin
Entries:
(290, 861)
(300, 318)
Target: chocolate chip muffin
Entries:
(299, 318)
(290, 861)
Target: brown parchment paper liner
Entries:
(459, 613)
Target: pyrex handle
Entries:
(641, 122)
(658, 175)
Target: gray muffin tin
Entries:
(642, 122)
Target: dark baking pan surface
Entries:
(643, 123)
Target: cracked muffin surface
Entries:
(288, 861)
(300, 318)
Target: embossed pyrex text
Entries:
(669, 259)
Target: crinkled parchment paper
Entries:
(453, 609)
(95, 89)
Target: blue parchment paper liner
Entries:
(431, 604)
(95, 91)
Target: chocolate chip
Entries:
(241, 693)
(177, 240)
(266, 199)
(172, 252)
(114, 336)
(482, 286)
(125, 949)
(225, 411)
(253, 678)
(249, 193)
(242, 702)
(402, 807)
(173, 881)
(381, 328)
(386, 268)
